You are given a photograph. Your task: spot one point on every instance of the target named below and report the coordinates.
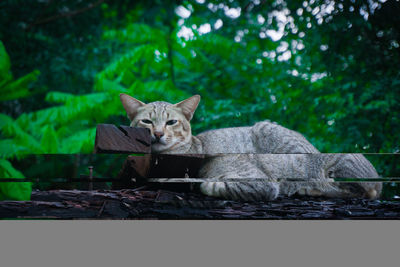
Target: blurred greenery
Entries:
(327, 69)
(12, 89)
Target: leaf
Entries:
(5, 74)
(10, 148)
(116, 70)
(80, 142)
(22, 141)
(13, 190)
(49, 140)
(8, 171)
(19, 88)
(10, 89)
(58, 97)
(104, 84)
(137, 33)
(4, 120)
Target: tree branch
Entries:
(64, 15)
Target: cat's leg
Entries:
(241, 191)
(313, 187)
(318, 188)
(233, 179)
(351, 166)
(341, 190)
(354, 166)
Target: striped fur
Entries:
(265, 150)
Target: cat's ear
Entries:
(131, 105)
(188, 106)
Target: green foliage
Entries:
(328, 69)
(13, 190)
(12, 89)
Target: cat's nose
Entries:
(158, 135)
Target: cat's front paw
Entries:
(240, 191)
(309, 192)
(213, 189)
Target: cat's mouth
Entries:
(159, 141)
(158, 146)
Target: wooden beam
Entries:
(134, 171)
(142, 203)
(175, 166)
(140, 168)
(122, 139)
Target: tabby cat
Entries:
(237, 158)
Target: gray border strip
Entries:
(199, 243)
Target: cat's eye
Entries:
(171, 122)
(147, 121)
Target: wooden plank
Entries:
(176, 180)
(165, 166)
(141, 168)
(122, 139)
(161, 204)
(134, 171)
(175, 166)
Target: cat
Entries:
(254, 163)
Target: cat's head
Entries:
(169, 124)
